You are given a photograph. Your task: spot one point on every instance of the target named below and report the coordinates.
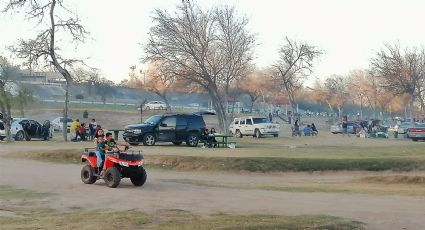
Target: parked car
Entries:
(155, 105)
(57, 123)
(24, 128)
(175, 128)
(253, 126)
(351, 127)
(417, 132)
(400, 127)
(2, 131)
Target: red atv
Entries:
(117, 164)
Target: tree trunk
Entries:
(219, 108)
(411, 109)
(65, 112)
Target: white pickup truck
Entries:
(253, 126)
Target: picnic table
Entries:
(116, 132)
(222, 140)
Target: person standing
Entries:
(345, 125)
(270, 117)
(92, 128)
(75, 125)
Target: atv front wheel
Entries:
(87, 175)
(112, 177)
(140, 179)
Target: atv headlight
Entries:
(123, 163)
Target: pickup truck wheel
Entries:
(257, 133)
(415, 139)
(275, 135)
(149, 139)
(238, 133)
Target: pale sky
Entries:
(349, 31)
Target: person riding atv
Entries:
(117, 164)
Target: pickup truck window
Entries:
(242, 122)
(248, 122)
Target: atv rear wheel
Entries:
(140, 179)
(87, 175)
(112, 177)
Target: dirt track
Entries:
(379, 212)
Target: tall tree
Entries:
(295, 64)
(401, 71)
(8, 73)
(54, 20)
(211, 48)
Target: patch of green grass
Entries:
(351, 187)
(170, 220)
(77, 220)
(11, 193)
(280, 164)
(271, 159)
(234, 222)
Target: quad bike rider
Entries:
(117, 164)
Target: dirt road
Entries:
(379, 212)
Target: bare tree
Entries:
(8, 73)
(23, 98)
(294, 66)
(321, 94)
(59, 20)
(401, 71)
(210, 48)
(336, 86)
(159, 80)
(256, 85)
(97, 84)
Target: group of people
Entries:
(80, 132)
(208, 139)
(309, 130)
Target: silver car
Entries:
(337, 127)
(57, 123)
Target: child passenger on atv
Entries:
(100, 153)
(110, 142)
